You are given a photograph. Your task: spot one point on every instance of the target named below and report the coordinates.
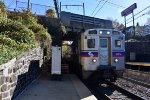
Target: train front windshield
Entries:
(91, 43)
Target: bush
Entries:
(3, 9)
(8, 49)
(50, 13)
(16, 31)
(7, 41)
(15, 38)
(40, 32)
(30, 21)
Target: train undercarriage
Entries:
(100, 74)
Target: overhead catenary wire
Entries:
(117, 5)
(106, 1)
(10, 3)
(96, 7)
(137, 17)
(100, 7)
(139, 12)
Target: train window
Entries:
(91, 43)
(117, 43)
(93, 32)
(103, 43)
(115, 33)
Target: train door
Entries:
(104, 51)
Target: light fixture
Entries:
(94, 60)
(108, 32)
(116, 60)
(100, 32)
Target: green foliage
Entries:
(11, 48)
(40, 32)
(30, 21)
(3, 10)
(24, 17)
(66, 51)
(50, 13)
(7, 41)
(18, 33)
(8, 49)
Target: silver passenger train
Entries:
(103, 50)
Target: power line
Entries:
(96, 7)
(115, 4)
(75, 6)
(10, 3)
(106, 1)
(139, 12)
(137, 17)
(71, 5)
(101, 7)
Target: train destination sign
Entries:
(129, 10)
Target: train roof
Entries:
(103, 29)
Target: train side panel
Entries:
(89, 52)
(118, 52)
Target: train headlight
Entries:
(116, 60)
(100, 32)
(108, 32)
(94, 60)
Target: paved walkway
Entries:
(46, 89)
(69, 88)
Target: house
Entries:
(146, 30)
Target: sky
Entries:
(107, 9)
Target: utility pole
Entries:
(56, 8)
(28, 7)
(76, 6)
(125, 22)
(133, 24)
(83, 10)
(83, 15)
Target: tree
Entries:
(138, 29)
(3, 10)
(50, 13)
(117, 25)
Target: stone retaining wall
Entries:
(19, 72)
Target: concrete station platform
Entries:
(69, 88)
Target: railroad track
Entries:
(110, 91)
(136, 87)
(114, 92)
(137, 82)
